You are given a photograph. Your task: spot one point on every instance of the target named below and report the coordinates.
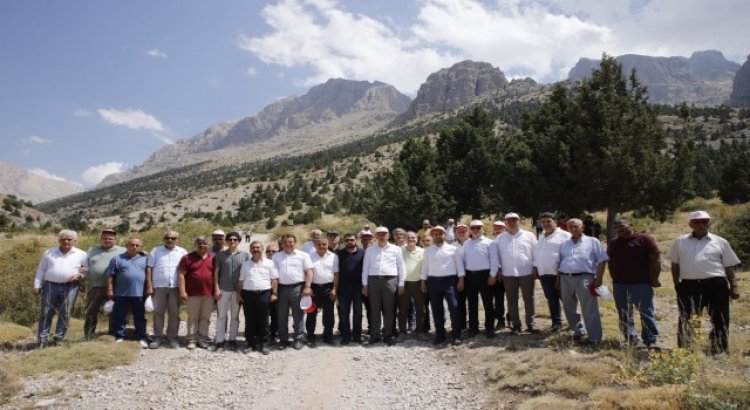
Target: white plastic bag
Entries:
(603, 292)
(149, 304)
(108, 306)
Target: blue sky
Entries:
(94, 87)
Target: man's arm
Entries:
(274, 290)
(149, 280)
(181, 282)
(217, 291)
(675, 274)
(110, 287)
(654, 269)
(39, 278)
(734, 291)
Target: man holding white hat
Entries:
(703, 274)
(442, 278)
(476, 259)
(513, 261)
(383, 272)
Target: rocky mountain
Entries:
(453, 87)
(330, 113)
(33, 187)
(741, 88)
(703, 79)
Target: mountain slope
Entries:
(741, 88)
(33, 187)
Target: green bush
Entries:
(736, 229)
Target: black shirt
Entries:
(350, 268)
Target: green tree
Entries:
(734, 186)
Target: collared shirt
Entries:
(163, 263)
(476, 253)
(547, 251)
(58, 268)
(413, 264)
(292, 266)
(129, 274)
(98, 262)
(442, 261)
(350, 268)
(258, 275)
(514, 254)
(229, 265)
(324, 267)
(582, 256)
(385, 260)
(702, 258)
(308, 247)
(199, 273)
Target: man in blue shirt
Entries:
(126, 276)
(582, 262)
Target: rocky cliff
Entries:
(741, 87)
(703, 79)
(33, 187)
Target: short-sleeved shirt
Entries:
(163, 263)
(325, 267)
(129, 274)
(413, 263)
(350, 268)
(292, 266)
(199, 273)
(99, 259)
(702, 258)
(258, 275)
(583, 256)
(629, 258)
(58, 267)
(229, 265)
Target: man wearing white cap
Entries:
(442, 277)
(703, 274)
(498, 289)
(383, 273)
(476, 259)
(513, 261)
(217, 242)
(295, 280)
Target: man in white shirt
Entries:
(498, 290)
(513, 261)
(546, 263)
(258, 285)
(295, 280)
(309, 246)
(324, 284)
(479, 279)
(162, 282)
(703, 274)
(57, 281)
(442, 277)
(383, 274)
(463, 235)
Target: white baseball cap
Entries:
(218, 232)
(498, 223)
(476, 222)
(381, 229)
(364, 233)
(461, 226)
(699, 215)
(437, 228)
(511, 215)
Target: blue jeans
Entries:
(59, 299)
(350, 299)
(640, 296)
(440, 288)
(134, 304)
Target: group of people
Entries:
(398, 280)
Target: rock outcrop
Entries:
(741, 87)
(33, 187)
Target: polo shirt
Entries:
(199, 273)
(324, 267)
(99, 262)
(129, 274)
(476, 253)
(547, 251)
(350, 268)
(442, 261)
(385, 260)
(292, 266)
(514, 254)
(413, 264)
(582, 256)
(229, 265)
(702, 258)
(163, 263)
(58, 267)
(629, 258)
(257, 276)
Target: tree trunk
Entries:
(611, 213)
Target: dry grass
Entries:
(11, 332)
(549, 402)
(9, 385)
(652, 398)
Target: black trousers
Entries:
(476, 285)
(461, 318)
(692, 297)
(322, 298)
(499, 294)
(274, 319)
(255, 305)
(350, 300)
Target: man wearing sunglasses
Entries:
(227, 269)
(271, 250)
(162, 282)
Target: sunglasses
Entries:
(233, 239)
(170, 238)
(270, 251)
(474, 228)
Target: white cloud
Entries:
(251, 71)
(156, 53)
(82, 112)
(132, 118)
(95, 174)
(35, 139)
(538, 38)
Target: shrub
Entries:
(672, 367)
(735, 228)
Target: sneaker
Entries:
(297, 345)
(120, 341)
(143, 343)
(174, 344)
(155, 344)
(191, 345)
